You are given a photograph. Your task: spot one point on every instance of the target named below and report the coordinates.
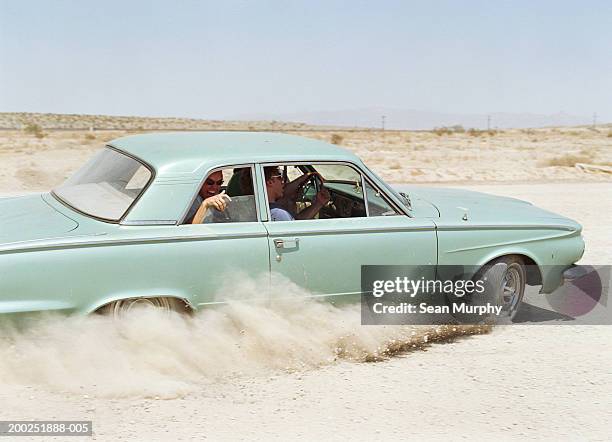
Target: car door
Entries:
(325, 255)
(227, 254)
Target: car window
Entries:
(226, 196)
(314, 191)
(377, 204)
(106, 186)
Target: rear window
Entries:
(106, 186)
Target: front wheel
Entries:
(503, 280)
(509, 284)
(513, 287)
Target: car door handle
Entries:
(286, 243)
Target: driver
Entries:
(276, 189)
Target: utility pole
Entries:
(383, 122)
(488, 122)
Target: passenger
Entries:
(209, 197)
(276, 189)
(241, 182)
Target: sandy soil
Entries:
(527, 155)
(299, 372)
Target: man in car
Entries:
(275, 187)
(209, 197)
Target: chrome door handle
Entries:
(286, 243)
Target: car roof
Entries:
(187, 152)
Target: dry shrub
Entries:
(568, 160)
(444, 130)
(90, 137)
(336, 139)
(34, 129)
(439, 131)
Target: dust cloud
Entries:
(149, 353)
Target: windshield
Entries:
(106, 186)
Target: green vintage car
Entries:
(119, 232)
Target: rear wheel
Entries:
(118, 309)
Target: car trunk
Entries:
(29, 218)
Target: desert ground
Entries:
(42, 159)
(305, 371)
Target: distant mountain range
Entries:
(422, 120)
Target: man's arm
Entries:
(320, 201)
(218, 202)
(291, 188)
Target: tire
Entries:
(512, 279)
(122, 307)
(503, 280)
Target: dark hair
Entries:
(246, 182)
(271, 171)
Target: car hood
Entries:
(466, 206)
(29, 218)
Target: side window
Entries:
(314, 191)
(377, 205)
(226, 196)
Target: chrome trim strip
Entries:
(152, 222)
(507, 226)
(354, 230)
(503, 244)
(331, 295)
(33, 242)
(116, 242)
(365, 194)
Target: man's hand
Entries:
(218, 202)
(322, 197)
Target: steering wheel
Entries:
(310, 188)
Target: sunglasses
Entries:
(210, 182)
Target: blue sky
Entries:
(226, 58)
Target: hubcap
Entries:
(124, 307)
(511, 290)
